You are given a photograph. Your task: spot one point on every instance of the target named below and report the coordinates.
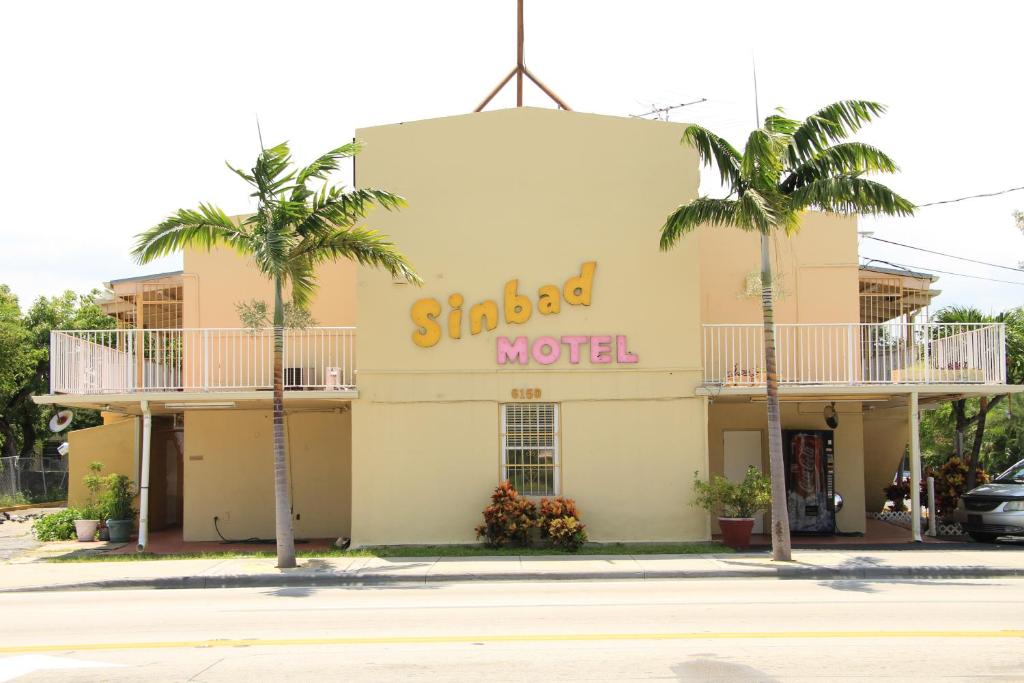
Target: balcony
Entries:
(93, 362)
(857, 354)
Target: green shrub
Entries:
(567, 533)
(508, 519)
(117, 497)
(57, 526)
(19, 498)
(94, 484)
(734, 500)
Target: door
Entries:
(743, 450)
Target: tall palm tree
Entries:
(787, 167)
(295, 229)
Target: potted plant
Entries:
(117, 505)
(735, 503)
(87, 521)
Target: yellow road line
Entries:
(507, 638)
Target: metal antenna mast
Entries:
(520, 70)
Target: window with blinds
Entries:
(529, 447)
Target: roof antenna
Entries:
(259, 132)
(757, 105)
(520, 70)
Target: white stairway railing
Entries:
(197, 360)
(858, 353)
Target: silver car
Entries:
(994, 509)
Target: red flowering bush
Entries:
(560, 523)
(950, 482)
(567, 533)
(508, 519)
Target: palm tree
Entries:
(294, 230)
(787, 167)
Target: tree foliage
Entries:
(25, 363)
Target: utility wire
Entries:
(908, 267)
(939, 253)
(973, 196)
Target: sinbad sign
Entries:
(517, 309)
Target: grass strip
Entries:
(468, 550)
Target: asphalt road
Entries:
(742, 629)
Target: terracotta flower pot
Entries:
(736, 531)
(85, 529)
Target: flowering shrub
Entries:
(567, 533)
(897, 492)
(560, 523)
(950, 482)
(555, 508)
(508, 519)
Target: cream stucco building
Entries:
(552, 344)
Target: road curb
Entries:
(324, 580)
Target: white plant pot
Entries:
(85, 529)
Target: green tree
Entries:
(960, 408)
(787, 167)
(295, 229)
(25, 368)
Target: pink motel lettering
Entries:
(598, 349)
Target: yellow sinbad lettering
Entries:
(517, 308)
(424, 314)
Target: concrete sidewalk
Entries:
(354, 571)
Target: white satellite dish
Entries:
(60, 421)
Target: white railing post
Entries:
(927, 354)
(850, 361)
(206, 360)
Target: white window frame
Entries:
(555, 446)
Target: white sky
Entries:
(116, 113)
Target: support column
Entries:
(915, 468)
(147, 438)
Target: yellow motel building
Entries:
(552, 344)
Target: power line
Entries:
(908, 267)
(939, 253)
(973, 196)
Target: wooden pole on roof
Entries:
(520, 70)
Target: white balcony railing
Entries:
(196, 360)
(858, 353)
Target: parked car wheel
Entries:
(982, 538)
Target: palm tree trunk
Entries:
(781, 549)
(283, 511)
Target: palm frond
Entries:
(828, 125)
(761, 164)
(714, 150)
(850, 194)
(271, 174)
(756, 212)
(961, 314)
(777, 123)
(846, 158)
(334, 208)
(301, 277)
(328, 162)
(204, 227)
(364, 246)
(701, 211)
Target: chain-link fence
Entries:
(32, 479)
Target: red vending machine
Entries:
(810, 476)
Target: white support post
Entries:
(933, 519)
(147, 433)
(915, 468)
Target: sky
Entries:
(115, 114)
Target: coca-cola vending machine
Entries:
(810, 475)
